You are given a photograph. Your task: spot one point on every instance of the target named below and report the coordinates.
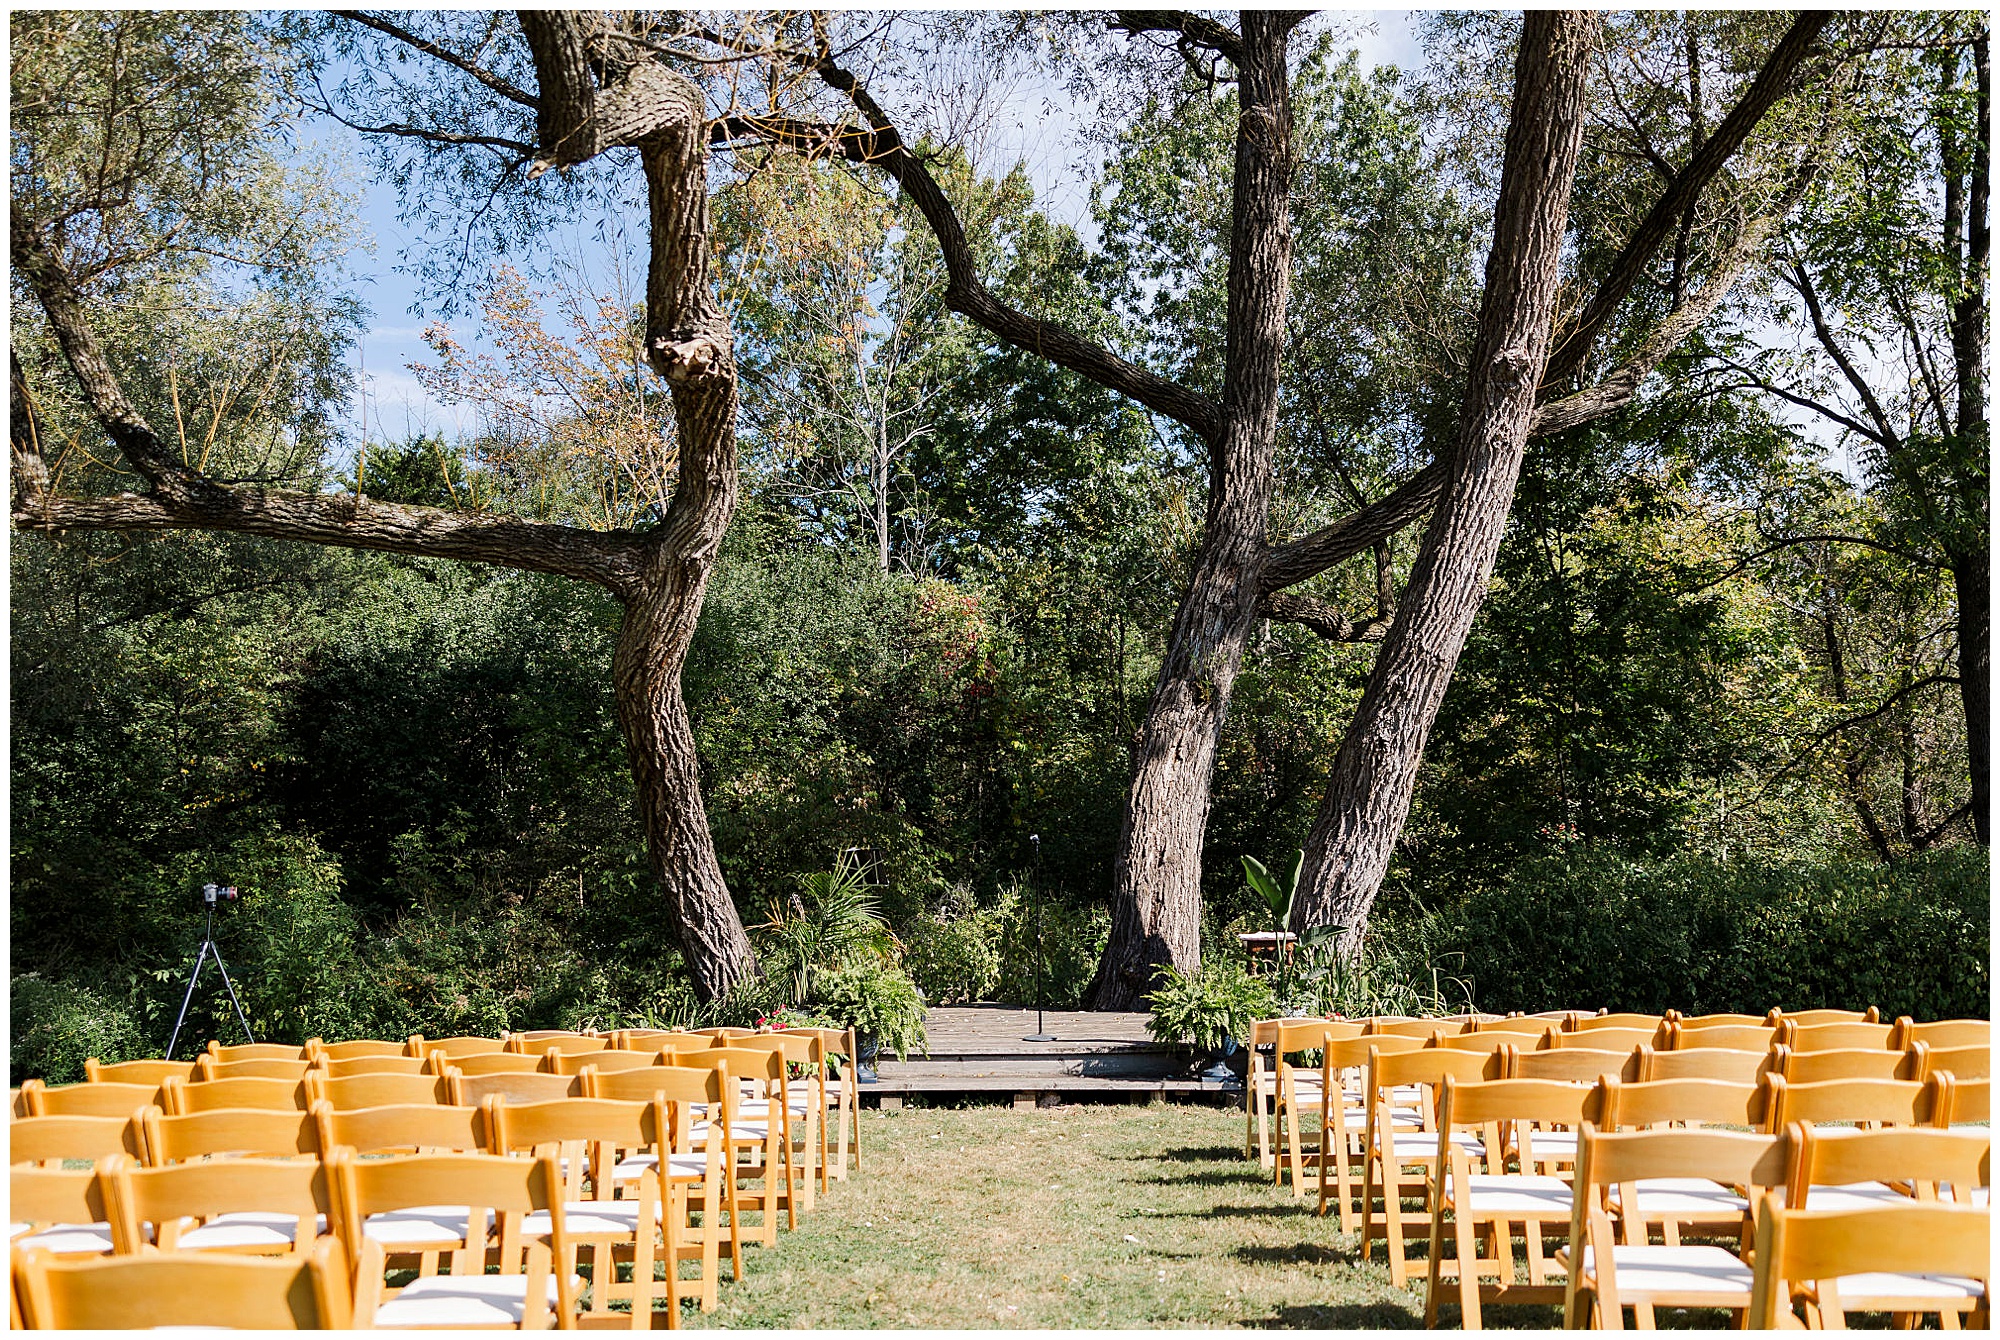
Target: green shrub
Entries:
(1218, 1000)
(1591, 930)
(1073, 940)
(954, 953)
(876, 999)
(57, 1025)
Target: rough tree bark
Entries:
(1967, 245)
(1375, 770)
(589, 100)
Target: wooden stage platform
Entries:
(981, 1052)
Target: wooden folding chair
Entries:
(384, 1090)
(1734, 1037)
(1919, 1161)
(1971, 1100)
(1394, 1150)
(59, 1210)
(1615, 1170)
(1829, 1037)
(258, 1207)
(419, 1128)
(1591, 1023)
(87, 1100)
(1848, 1063)
(1521, 1025)
(261, 1051)
(1484, 1043)
(1808, 1018)
(1678, 1204)
(336, 1068)
(804, 1054)
(1296, 1091)
(224, 1133)
(187, 1290)
(562, 1044)
(136, 1072)
(1952, 1033)
(698, 1103)
(494, 1063)
(556, 1063)
(1963, 1062)
(208, 1069)
(54, 1140)
(1621, 1040)
(514, 1086)
(1717, 1063)
(1484, 1205)
(1573, 1065)
(180, 1097)
(592, 1137)
(1863, 1102)
(1902, 1259)
(760, 1147)
(457, 1047)
(501, 1192)
(1260, 1090)
(843, 1096)
(360, 1049)
(1343, 1114)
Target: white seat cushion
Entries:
(460, 1300)
(420, 1226)
(739, 1131)
(64, 1239)
(1713, 1271)
(246, 1228)
(1853, 1196)
(1414, 1145)
(592, 1218)
(1509, 1193)
(1880, 1285)
(1685, 1197)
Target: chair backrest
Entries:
(1712, 1020)
(725, 1032)
(1830, 1037)
(1590, 1023)
(1963, 1062)
(682, 1083)
(1847, 1063)
(1484, 1043)
(1619, 1040)
(351, 1091)
(159, 1198)
(337, 1068)
(48, 1139)
(88, 1100)
(126, 1293)
(454, 1048)
(652, 1040)
(1411, 1028)
(1607, 1159)
(1971, 1100)
(1679, 1102)
(598, 1130)
(559, 1064)
(498, 1063)
(1735, 1037)
(834, 1042)
(254, 1132)
(1824, 1016)
(565, 1044)
(1574, 1065)
(472, 1090)
(1520, 1025)
(537, 1034)
(509, 1188)
(208, 1069)
(1425, 1067)
(404, 1129)
(1950, 1033)
(39, 1196)
(136, 1072)
(1925, 1157)
(1871, 1101)
(1796, 1246)
(1723, 1063)
(1289, 1037)
(279, 1095)
(1524, 1104)
(261, 1051)
(365, 1048)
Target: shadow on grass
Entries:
(1203, 1154)
(1229, 1212)
(1339, 1317)
(1298, 1254)
(1210, 1177)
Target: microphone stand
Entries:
(1041, 1033)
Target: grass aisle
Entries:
(1082, 1216)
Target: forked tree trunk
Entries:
(1156, 881)
(1375, 770)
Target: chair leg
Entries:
(1392, 1224)
(1465, 1237)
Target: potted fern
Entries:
(880, 1003)
(1209, 1009)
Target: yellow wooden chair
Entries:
(256, 1207)
(1426, 1029)
(377, 1090)
(417, 1128)
(456, 1047)
(1769, 1020)
(1849, 1063)
(1395, 1151)
(514, 1086)
(698, 1180)
(1621, 1040)
(87, 1100)
(208, 1068)
(1606, 1274)
(1530, 1027)
(136, 1072)
(557, 1063)
(1344, 1117)
(1715, 1063)
(1808, 1018)
(1971, 1100)
(339, 1068)
(361, 1049)
(1733, 1037)
(724, 1033)
(805, 1059)
(1574, 1065)
(1864, 1102)
(182, 1097)
(1475, 1199)
(54, 1140)
(1830, 1037)
(187, 1290)
(1677, 1204)
(563, 1044)
(60, 1210)
(494, 1063)
(1295, 1091)
(593, 1137)
(261, 1051)
(651, 1040)
(496, 1192)
(760, 1149)
(226, 1132)
(843, 1095)
(1260, 1091)
(1952, 1033)
(1591, 1023)
(1963, 1062)
(1902, 1259)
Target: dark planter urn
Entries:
(868, 1047)
(1227, 1063)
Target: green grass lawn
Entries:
(1086, 1216)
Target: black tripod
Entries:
(209, 894)
(1041, 1033)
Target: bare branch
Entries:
(1323, 618)
(1192, 28)
(432, 49)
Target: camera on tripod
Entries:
(211, 896)
(211, 892)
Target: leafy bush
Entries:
(1218, 1000)
(876, 999)
(57, 1025)
(954, 959)
(835, 919)
(1596, 930)
(1072, 940)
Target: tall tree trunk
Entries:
(1968, 347)
(1375, 770)
(1156, 877)
(1970, 580)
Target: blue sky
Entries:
(393, 402)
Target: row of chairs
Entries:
(771, 1136)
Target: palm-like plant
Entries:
(832, 920)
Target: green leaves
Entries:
(1278, 895)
